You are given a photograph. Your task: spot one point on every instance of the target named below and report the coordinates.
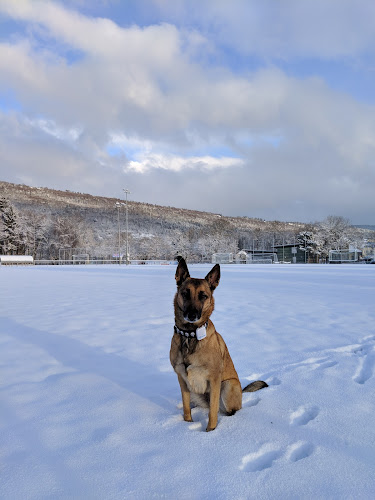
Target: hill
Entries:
(366, 226)
(92, 223)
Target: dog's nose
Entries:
(193, 316)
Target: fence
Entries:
(80, 262)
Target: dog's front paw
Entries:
(209, 428)
(188, 418)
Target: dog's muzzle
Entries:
(192, 316)
(190, 319)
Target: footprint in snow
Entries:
(171, 421)
(325, 364)
(303, 415)
(299, 451)
(268, 454)
(365, 351)
(273, 381)
(249, 400)
(261, 459)
(366, 366)
(317, 363)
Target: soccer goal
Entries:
(81, 258)
(222, 258)
(344, 256)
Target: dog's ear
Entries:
(213, 277)
(182, 272)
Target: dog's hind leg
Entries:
(231, 396)
(185, 393)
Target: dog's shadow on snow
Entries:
(143, 380)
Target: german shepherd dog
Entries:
(199, 354)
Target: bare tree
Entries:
(65, 233)
(35, 227)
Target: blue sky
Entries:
(256, 108)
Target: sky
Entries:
(243, 107)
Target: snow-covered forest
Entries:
(41, 222)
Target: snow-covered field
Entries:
(90, 407)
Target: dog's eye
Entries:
(202, 296)
(186, 294)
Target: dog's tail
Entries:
(255, 386)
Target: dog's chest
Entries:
(189, 353)
(188, 349)
(196, 375)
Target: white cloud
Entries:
(179, 125)
(177, 164)
(70, 135)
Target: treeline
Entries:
(46, 223)
(31, 233)
(45, 235)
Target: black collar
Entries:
(184, 333)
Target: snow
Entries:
(14, 259)
(90, 407)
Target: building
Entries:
(291, 254)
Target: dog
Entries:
(198, 352)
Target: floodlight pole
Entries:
(118, 205)
(126, 191)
